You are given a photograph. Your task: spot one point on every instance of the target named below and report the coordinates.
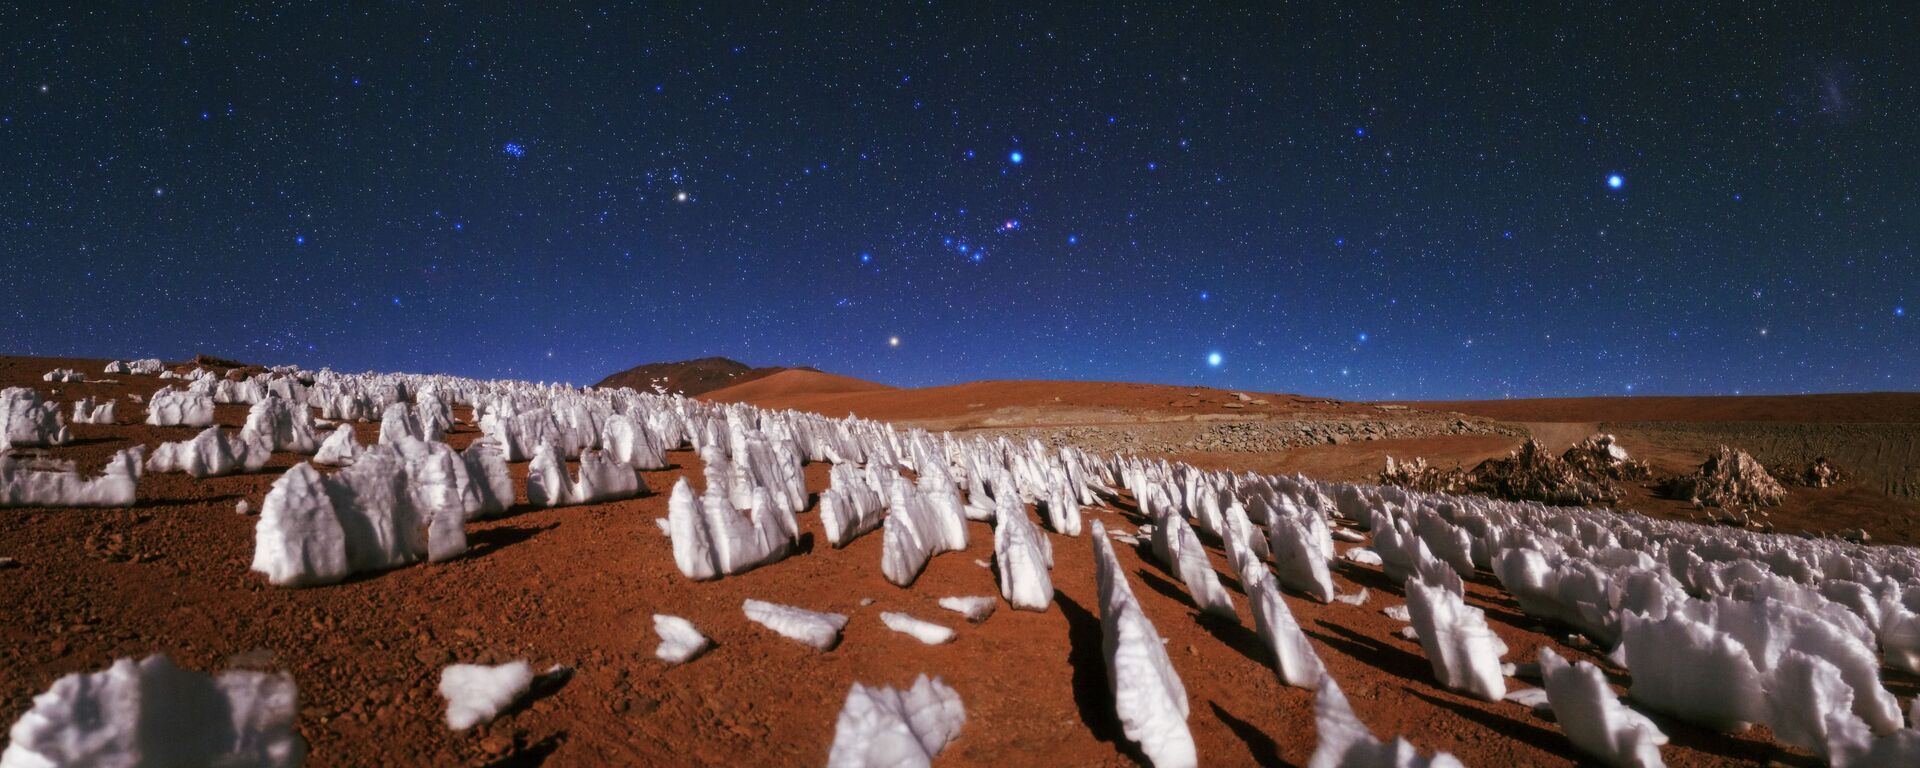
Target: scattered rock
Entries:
(1818, 473)
(496, 745)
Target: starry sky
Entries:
(1357, 200)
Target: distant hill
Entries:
(691, 377)
(1863, 407)
(792, 382)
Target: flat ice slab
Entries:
(924, 631)
(819, 630)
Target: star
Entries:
(514, 149)
(1615, 181)
(1012, 157)
(682, 196)
(1899, 311)
(1214, 359)
(893, 341)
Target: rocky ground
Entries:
(578, 586)
(1266, 435)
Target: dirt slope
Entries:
(793, 382)
(996, 403)
(690, 377)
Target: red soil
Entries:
(577, 586)
(792, 383)
(980, 400)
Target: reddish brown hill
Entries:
(691, 377)
(985, 403)
(793, 382)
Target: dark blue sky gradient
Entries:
(1340, 200)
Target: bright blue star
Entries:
(514, 149)
(866, 258)
(1153, 166)
(1899, 311)
(299, 239)
(1214, 359)
(1357, 131)
(1363, 336)
(978, 256)
(1015, 157)
(457, 226)
(396, 301)
(1204, 295)
(1073, 239)
(1614, 181)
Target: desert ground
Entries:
(577, 586)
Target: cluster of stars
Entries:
(1057, 197)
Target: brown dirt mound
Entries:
(791, 383)
(690, 377)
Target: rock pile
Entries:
(1533, 474)
(1729, 479)
(1591, 472)
(1601, 457)
(1415, 474)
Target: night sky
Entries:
(1468, 201)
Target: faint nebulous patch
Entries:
(1822, 92)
